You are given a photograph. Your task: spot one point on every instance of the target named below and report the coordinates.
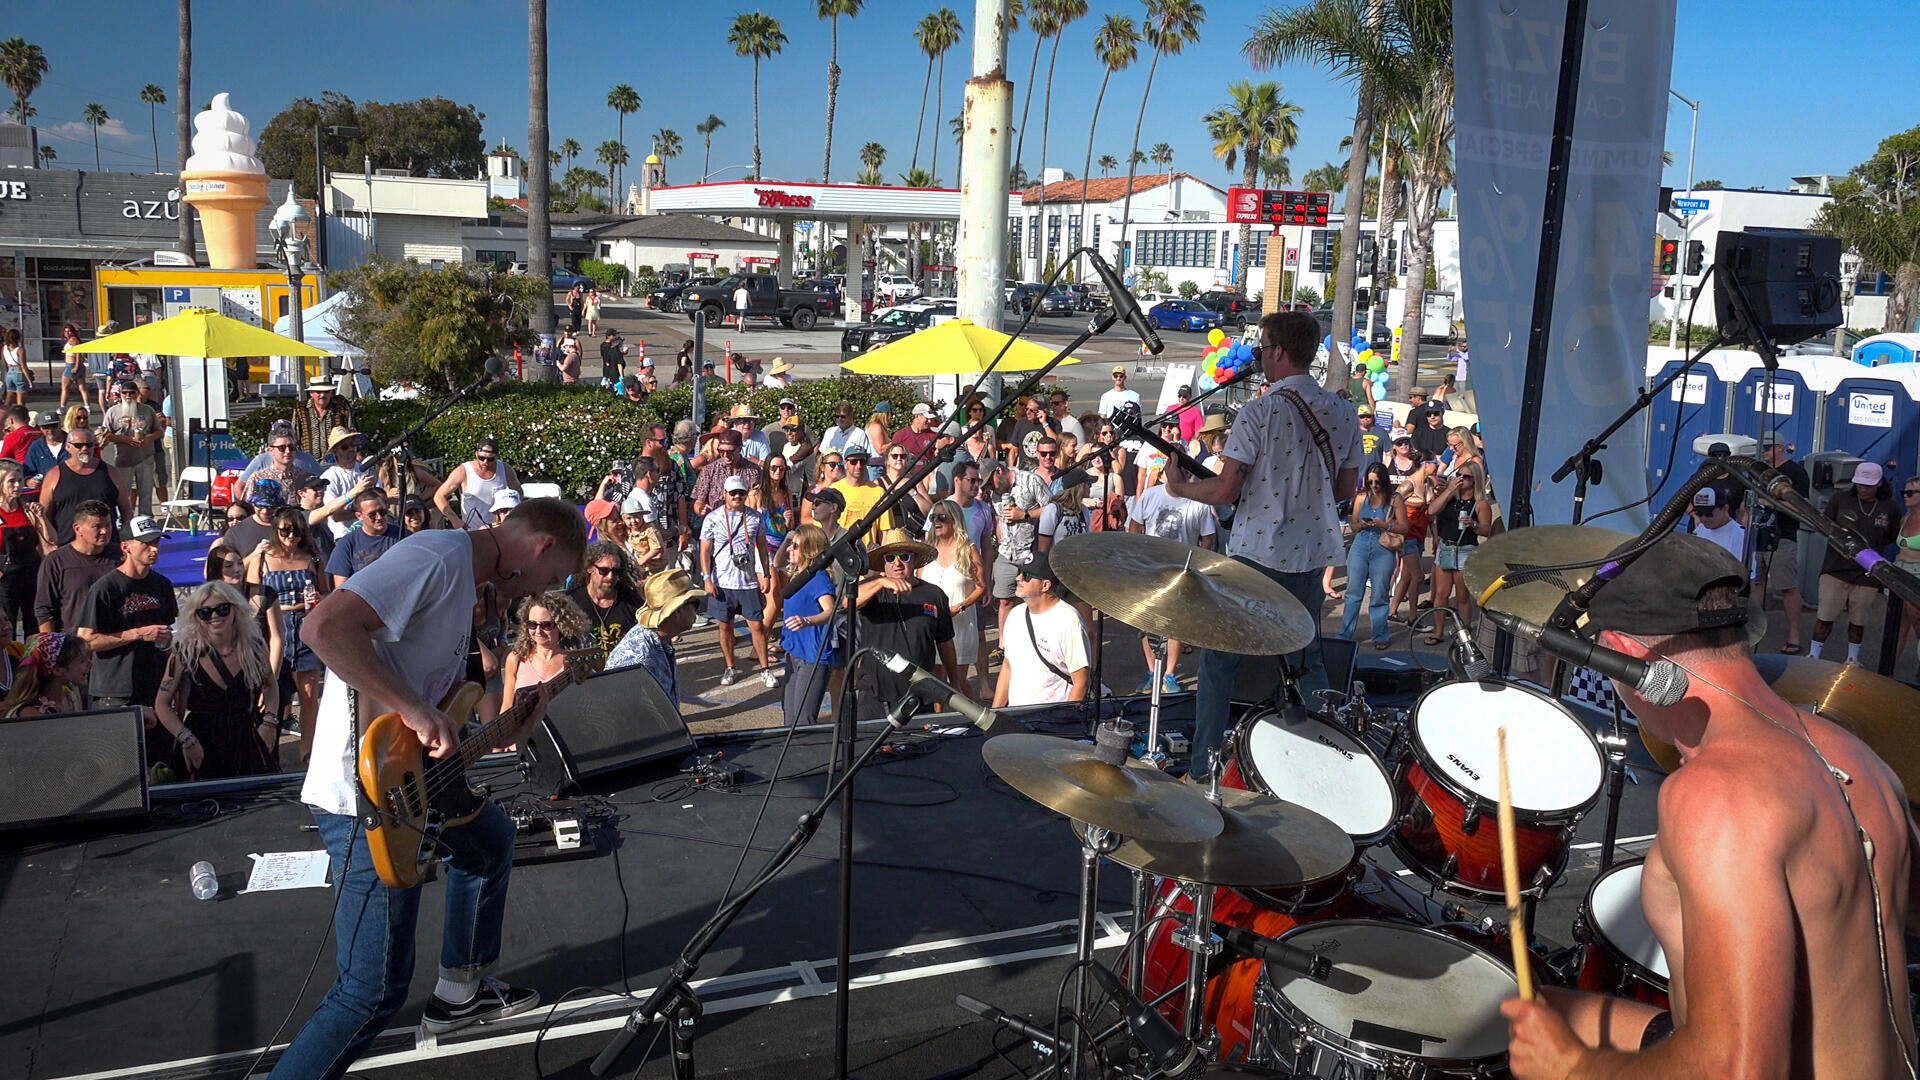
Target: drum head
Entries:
(1314, 764)
(1427, 996)
(1615, 915)
(1553, 764)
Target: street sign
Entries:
(940, 268)
(702, 255)
(1293, 256)
(1689, 206)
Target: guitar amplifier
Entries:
(72, 768)
(612, 721)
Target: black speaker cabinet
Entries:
(601, 726)
(72, 767)
(1791, 277)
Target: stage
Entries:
(961, 886)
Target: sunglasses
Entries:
(736, 494)
(80, 444)
(281, 446)
(607, 570)
(834, 464)
(1911, 492)
(899, 556)
(485, 459)
(213, 611)
(1044, 453)
(288, 532)
(776, 468)
(940, 519)
(896, 457)
(376, 513)
(546, 625)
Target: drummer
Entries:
(1779, 933)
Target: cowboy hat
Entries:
(893, 540)
(1215, 421)
(338, 435)
(321, 382)
(779, 366)
(665, 593)
(742, 411)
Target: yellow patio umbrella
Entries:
(954, 347)
(199, 332)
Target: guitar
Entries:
(415, 797)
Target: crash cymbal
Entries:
(1136, 802)
(1877, 709)
(1266, 843)
(1186, 593)
(1512, 554)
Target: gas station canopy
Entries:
(815, 202)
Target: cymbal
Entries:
(1877, 709)
(1266, 843)
(1133, 801)
(1182, 592)
(1541, 545)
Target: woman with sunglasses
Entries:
(542, 628)
(807, 630)
(773, 501)
(1376, 512)
(909, 513)
(957, 569)
(219, 696)
(830, 470)
(51, 678)
(289, 574)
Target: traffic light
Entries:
(1669, 256)
(1696, 256)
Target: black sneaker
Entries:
(494, 1001)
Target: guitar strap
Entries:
(369, 814)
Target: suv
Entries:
(1234, 308)
(894, 288)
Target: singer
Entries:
(1780, 926)
(1294, 456)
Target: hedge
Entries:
(571, 434)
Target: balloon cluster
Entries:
(1367, 360)
(1222, 359)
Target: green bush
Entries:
(1188, 290)
(645, 281)
(609, 276)
(570, 434)
(1700, 334)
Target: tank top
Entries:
(16, 357)
(949, 580)
(476, 495)
(75, 489)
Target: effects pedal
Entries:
(713, 771)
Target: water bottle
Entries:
(205, 885)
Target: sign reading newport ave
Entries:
(776, 197)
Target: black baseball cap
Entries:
(1660, 592)
(1037, 568)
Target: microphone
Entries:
(1465, 656)
(1661, 682)
(1021, 1027)
(1170, 1052)
(924, 685)
(1125, 305)
(1291, 958)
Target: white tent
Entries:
(321, 327)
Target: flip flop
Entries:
(1791, 648)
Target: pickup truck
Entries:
(1234, 308)
(798, 309)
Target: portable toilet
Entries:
(1793, 409)
(1695, 405)
(1877, 417)
(1887, 349)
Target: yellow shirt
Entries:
(860, 499)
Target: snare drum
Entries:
(1621, 956)
(1429, 1003)
(1449, 784)
(1317, 764)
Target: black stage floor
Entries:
(961, 886)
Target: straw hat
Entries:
(1215, 421)
(338, 435)
(665, 593)
(742, 411)
(893, 540)
(779, 366)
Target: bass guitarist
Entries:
(397, 634)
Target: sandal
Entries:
(1791, 648)
(1380, 646)
(1432, 639)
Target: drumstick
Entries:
(1510, 867)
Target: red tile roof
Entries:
(1103, 189)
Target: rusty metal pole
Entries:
(984, 158)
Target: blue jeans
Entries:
(805, 685)
(1218, 669)
(1369, 566)
(373, 928)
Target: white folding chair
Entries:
(540, 490)
(183, 502)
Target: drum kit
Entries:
(1264, 937)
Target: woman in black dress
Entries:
(218, 696)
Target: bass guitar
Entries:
(416, 797)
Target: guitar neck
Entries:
(476, 745)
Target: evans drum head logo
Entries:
(1463, 767)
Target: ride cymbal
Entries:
(1186, 593)
(1266, 843)
(1136, 802)
(1511, 559)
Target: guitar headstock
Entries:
(580, 665)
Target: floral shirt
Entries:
(643, 646)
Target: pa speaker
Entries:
(1791, 279)
(612, 721)
(72, 767)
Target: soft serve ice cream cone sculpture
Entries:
(226, 183)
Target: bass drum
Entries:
(1370, 893)
(1622, 956)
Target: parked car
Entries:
(1035, 297)
(1234, 307)
(798, 309)
(1085, 299)
(918, 303)
(565, 280)
(894, 288)
(1183, 315)
(667, 297)
(896, 323)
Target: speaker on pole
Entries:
(72, 767)
(612, 721)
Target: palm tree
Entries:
(831, 10)
(539, 224)
(569, 149)
(553, 159)
(612, 154)
(183, 116)
(1138, 157)
(1276, 170)
(936, 33)
(706, 128)
(1160, 154)
(1254, 123)
(95, 115)
(1170, 25)
(1043, 23)
(47, 154)
(1064, 12)
(958, 126)
(153, 95)
(950, 31)
(757, 36)
(622, 100)
(666, 143)
(22, 65)
(1117, 45)
(1324, 177)
(873, 155)
(1429, 133)
(869, 176)
(1107, 164)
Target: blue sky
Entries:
(1783, 90)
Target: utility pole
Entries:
(1686, 229)
(984, 159)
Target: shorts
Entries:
(1839, 597)
(17, 382)
(74, 371)
(1779, 568)
(743, 603)
(1452, 556)
(1003, 574)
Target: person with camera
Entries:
(733, 559)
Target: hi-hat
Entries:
(1267, 843)
(1182, 592)
(1514, 558)
(1136, 802)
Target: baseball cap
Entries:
(267, 492)
(47, 418)
(1400, 435)
(142, 528)
(827, 494)
(486, 443)
(860, 452)
(505, 499)
(883, 406)
(789, 403)
(1038, 568)
(1660, 592)
(1706, 498)
(1118, 369)
(1868, 473)
(735, 483)
(923, 409)
(952, 430)
(1772, 438)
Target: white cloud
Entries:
(81, 131)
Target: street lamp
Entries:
(704, 177)
(320, 185)
(1686, 226)
(292, 248)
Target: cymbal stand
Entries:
(1615, 747)
(1095, 844)
(1201, 943)
(1159, 646)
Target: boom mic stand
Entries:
(397, 446)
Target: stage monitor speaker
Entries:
(1790, 277)
(600, 727)
(72, 767)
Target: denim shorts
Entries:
(1453, 556)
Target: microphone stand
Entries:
(403, 465)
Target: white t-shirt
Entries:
(423, 591)
(340, 480)
(736, 543)
(1111, 401)
(740, 298)
(839, 440)
(1061, 639)
(1171, 517)
(1287, 519)
(1732, 537)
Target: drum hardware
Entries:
(1195, 596)
(1614, 746)
(1158, 645)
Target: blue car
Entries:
(1183, 315)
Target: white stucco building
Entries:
(398, 217)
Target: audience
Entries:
(289, 573)
(1046, 646)
(808, 631)
(543, 628)
(607, 595)
(958, 572)
(667, 613)
(69, 571)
